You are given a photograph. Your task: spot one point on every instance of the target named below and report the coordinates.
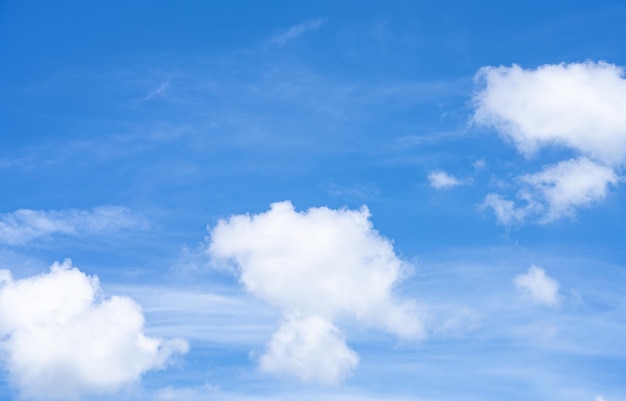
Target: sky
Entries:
(252, 201)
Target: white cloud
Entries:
(310, 348)
(599, 398)
(538, 287)
(59, 341)
(296, 31)
(579, 106)
(327, 263)
(505, 210)
(159, 91)
(479, 164)
(440, 179)
(25, 225)
(568, 185)
(556, 191)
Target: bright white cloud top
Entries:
(25, 225)
(324, 265)
(59, 341)
(578, 106)
(538, 287)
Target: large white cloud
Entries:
(324, 263)
(578, 106)
(25, 225)
(60, 341)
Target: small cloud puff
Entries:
(439, 179)
(59, 342)
(538, 287)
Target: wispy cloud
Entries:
(25, 225)
(159, 91)
(296, 31)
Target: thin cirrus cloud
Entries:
(579, 107)
(58, 341)
(319, 267)
(538, 287)
(25, 225)
(296, 31)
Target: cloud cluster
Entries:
(538, 287)
(319, 266)
(59, 341)
(579, 107)
(25, 225)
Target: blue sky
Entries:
(301, 200)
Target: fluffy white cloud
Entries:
(440, 179)
(59, 341)
(555, 192)
(324, 263)
(312, 349)
(578, 105)
(538, 287)
(25, 225)
(568, 185)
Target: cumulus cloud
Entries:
(568, 185)
(59, 340)
(538, 287)
(25, 225)
(312, 349)
(556, 191)
(578, 106)
(323, 265)
(440, 180)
